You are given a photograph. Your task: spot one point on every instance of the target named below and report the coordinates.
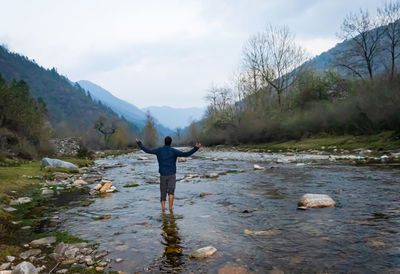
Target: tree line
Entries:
(278, 94)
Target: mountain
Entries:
(71, 110)
(130, 112)
(176, 117)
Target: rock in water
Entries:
(203, 252)
(270, 232)
(257, 167)
(315, 201)
(25, 268)
(105, 187)
(181, 159)
(48, 162)
(43, 241)
(203, 194)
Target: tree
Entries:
(273, 57)
(150, 135)
(365, 36)
(390, 18)
(106, 128)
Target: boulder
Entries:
(203, 252)
(105, 187)
(79, 182)
(181, 159)
(315, 201)
(25, 268)
(43, 241)
(257, 167)
(51, 163)
(31, 252)
(22, 200)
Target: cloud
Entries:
(159, 52)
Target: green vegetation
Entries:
(103, 217)
(131, 185)
(62, 236)
(379, 142)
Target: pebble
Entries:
(203, 252)
(10, 258)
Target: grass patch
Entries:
(64, 237)
(131, 185)
(380, 142)
(78, 161)
(103, 217)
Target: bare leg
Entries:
(163, 205)
(171, 201)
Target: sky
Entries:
(161, 53)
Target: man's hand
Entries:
(137, 140)
(198, 145)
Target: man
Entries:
(166, 156)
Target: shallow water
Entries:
(360, 235)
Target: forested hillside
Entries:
(71, 111)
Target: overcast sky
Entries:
(160, 52)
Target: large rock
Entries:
(25, 268)
(203, 252)
(315, 201)
(48, 162)
(31, 252)
(105, 187)
(43, 241)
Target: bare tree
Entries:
(106, 128)
(219, 98)
(273, 57)
(150, 135)
(364, 35)
(390, 18)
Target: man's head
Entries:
(168, 141)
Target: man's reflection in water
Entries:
(172, 258)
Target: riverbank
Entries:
(378, 143)
(30, 201)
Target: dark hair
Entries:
(168, 141)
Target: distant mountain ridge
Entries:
(129, 111)
(176, 117)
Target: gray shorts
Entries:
(167, 185)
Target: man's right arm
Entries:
(145, 149)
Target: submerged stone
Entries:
(315, 201)
(106, 187)
(257, 167)
(203, 252)
(270, 232)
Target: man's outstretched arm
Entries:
(145, 149)
(188, 153)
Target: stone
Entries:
(142, 158)
(213, 175)
(71, 253)
(105, 187)
(62, 271)
(10, 259)
(203, 252)
(25, 268)
(376, 243)
(97, 187)
(112, 189)
(118, 260)
(99, 268)
(4, 266)
(43, 241)
(231, 269)
(26, 227)
(269, 232)
(203, 194)
(5, 271)
(79, 182)
(21, 200)
(88, 260)
(315, 201)
(52, 163)
(47, 192)
(257, 167)
(9, 209)
(100, 254)
(61, 248)
(296, 260)
(32, 252)
(181, 159)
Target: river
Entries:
(360, 235)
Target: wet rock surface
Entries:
(315, 201)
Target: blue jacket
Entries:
(166, 156)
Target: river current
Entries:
(360, 235)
